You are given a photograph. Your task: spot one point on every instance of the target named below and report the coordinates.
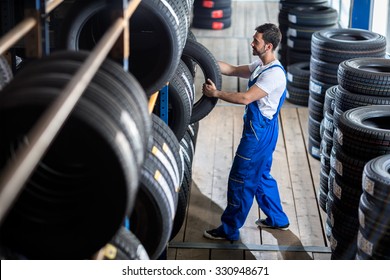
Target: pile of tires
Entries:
(303, 21)
(155, 25)
(86, 184)
(214, 15)
(298, 77)
(124, 171)
(374, 211)
(285, 6)
(362, 82)
(330, 47)
(363, 133)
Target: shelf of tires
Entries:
(214, 15)
(298, 20)
(116, 180)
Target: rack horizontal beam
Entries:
(52, 4)
(16, 33)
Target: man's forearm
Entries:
(232, 97)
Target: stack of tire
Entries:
(303, 21)
(284, 8)
(86, 184)
(298, 77)
(374, 211)
(338, 100)
(147, 160)
(361, 133)
(329, 47)
(326, 131)
(214, 15)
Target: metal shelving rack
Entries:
(33, 28)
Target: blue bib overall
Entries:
(250, 173)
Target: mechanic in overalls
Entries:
(250, 173)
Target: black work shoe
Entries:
(263, 224)
(215, 234)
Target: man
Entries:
(250, 173)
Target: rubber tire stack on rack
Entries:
(101, 145)
(303, 21)
(158, 158)
(214, 15)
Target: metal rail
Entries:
(249, 247)
(17, 33)
(17, 172)
(52, 4)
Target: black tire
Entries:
(323, 190)
(298, 75)
(132, 90)
(374, 234)
(326, 143)
(337, 45)
(344, 223)
(299, 44)
(376, 179)
(184, 193)
(208, 64)
(313, 16)
(322, 71)
(369, 76)
(124, 110)
(316, 109)
(52, 218)
(343, 247)
(314, 147)
(305, 32)
(213, 13)
(216, 4)
(155, 207)
(125, 246)
(82, 29)
(297, 95)
(345, 100)
(179, 105)
(365, 131)
(165, 140)
(214, 24)
(329, 101)
(294, 56)
(318, 89)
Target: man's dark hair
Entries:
(271, 34)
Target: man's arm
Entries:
(241, 71)
(245, 98)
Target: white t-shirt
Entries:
(273, 82)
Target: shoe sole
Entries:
(271, 227)
(209, 236)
